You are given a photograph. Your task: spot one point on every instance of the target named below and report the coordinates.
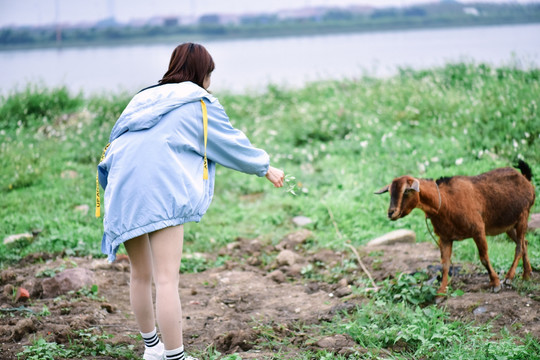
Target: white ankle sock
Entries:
(150, 339)
(176, 354)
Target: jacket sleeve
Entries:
(230, 147)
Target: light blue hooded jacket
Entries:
(152, 172)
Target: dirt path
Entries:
(241, 305)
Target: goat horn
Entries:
(383, 190)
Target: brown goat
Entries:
(462, 207)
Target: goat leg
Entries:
(512, 233)
(527, 270)
(446, 254)
(481, 244)
(521, 230)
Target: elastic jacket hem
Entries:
(111, 248)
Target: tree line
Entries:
(332, 20)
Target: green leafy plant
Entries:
(407, 288)
(41, 349)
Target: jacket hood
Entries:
(147, 107)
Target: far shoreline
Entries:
(245, 35)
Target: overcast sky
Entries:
(43, 12)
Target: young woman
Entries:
(158, 173)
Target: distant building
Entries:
(170, 21)
(313, 13)
(471, 11)
(164, 21)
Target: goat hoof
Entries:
(507, 282)
(439, 299)
(497, 288)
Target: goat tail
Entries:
(525, 169)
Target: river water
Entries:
(250, 65)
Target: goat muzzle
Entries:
(393, 214)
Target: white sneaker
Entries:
(155, 352)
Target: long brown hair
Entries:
(189, 62)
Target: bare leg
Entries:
(140, 285)
(166, 245)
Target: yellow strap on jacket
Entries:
(205, 131)
(98, 201)
(205, 163)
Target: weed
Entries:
(84, 344)
(89, 292)
(407, 288)
(51, 272)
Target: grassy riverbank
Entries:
(340, 140)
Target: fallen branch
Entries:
(360, 262)
(375, 287)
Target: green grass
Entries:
(341, 140)
(85, 344)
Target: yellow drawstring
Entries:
(205, 131)
(98, 202)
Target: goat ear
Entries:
(383, 190)
(415, 185)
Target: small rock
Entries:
(286, 257)
(100, 264)
(335, 342)
(68, 280)
(8, 290)
(108, 307)
(534, 222)
(23, 328)
(232, 246)
(8, 275)
(291, 241)
(18, 237)
(343, 291)
(312, 288)
(394, 237)
(236, 340)
(295, 270)
(278, 276)
(254, 261)
(254, 246)
(479, 310)
(342, 283)
(121, 266)
(301, 220)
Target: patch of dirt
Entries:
(249, 305)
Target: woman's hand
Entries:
(275, 176)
